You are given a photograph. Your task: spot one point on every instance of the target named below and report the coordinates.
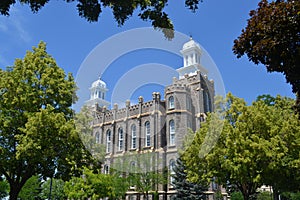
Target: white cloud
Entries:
(13, 26)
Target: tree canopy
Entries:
(37, 133)
(257, 143)
(152, 10)
(95, 186)
(272, 38)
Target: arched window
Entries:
(172, 132)
(133, 136)
(121, 139)
(97, 138)
(171, 102)
(106, 169)
(147, 134)
(132, 170)
(171, 170)
(108, 141)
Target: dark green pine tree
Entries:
(185, 189)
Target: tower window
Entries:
(147, 134)
(108, 141)
(121, 138)
(97, 138)
(172, 132)
(186, 60)
(133, 136)
(207, 105)
(171, 102)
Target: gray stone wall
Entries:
(192, 95)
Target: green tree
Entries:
(57, 189)
(37, 134)
(84, 122)
(236, 196)
(152, 11)
(142, 171)
(290, 196)
(4, 187)
(31, 189)
(264, 196)
(257, 143)
(272, 38)
(95, 186)
(184, 188)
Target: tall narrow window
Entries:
(132, 170)
(108, 141)
(133, 136)
(171, 102)
(121, 138)
(186, 61)
(172, 171)
(172, 132)
(207, 107)
(97, 138)
(147, 134)
(132, 167)
(106, 169)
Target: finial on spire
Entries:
(191, 36)
(100, 76)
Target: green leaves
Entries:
(148, 10)
(37, 133)
(257, 142)
(95, 185)
(272, 39)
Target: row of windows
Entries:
(134, 136)
(192, 58)
(133, 168)
(97, 94)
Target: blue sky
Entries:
(70, 39)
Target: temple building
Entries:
(157, 126)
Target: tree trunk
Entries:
(14, 191)
(246, 196)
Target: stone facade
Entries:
(157, 126)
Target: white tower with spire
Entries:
(191, 53)
(97, 94)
